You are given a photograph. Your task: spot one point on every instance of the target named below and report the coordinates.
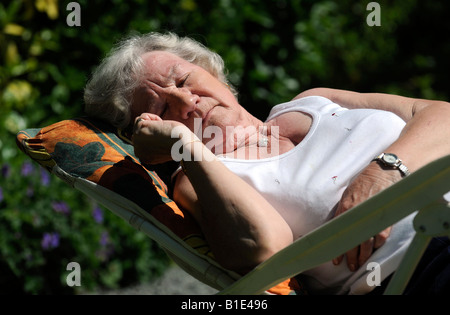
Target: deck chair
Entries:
(99, 160)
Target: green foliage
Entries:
(273, 49)
(45, 225)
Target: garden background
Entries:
(273, 50)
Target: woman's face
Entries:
(176, 89)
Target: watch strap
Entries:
(397, 165)
(403, 169)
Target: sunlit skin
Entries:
(175, 92)
(179, 91)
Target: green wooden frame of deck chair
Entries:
(422, 190)
(99, 160)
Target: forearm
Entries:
(241, 227)
(402, 106)
(426, 136)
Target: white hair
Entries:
(108, 94)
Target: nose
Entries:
(182, 103)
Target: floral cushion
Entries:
(93, 150)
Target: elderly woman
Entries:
(256, 186)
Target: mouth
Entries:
(207, 115)
(204, 113)
(200, 117)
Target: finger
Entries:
(149, 116)
(352, 259)
(136, 124)
(381, 237)
(365, 251)
(338, 260)
(339, 209)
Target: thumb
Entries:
(149, 116)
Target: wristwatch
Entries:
(391, 160)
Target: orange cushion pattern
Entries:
(93, 150)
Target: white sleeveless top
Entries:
(306, 183)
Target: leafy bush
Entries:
(44, 226)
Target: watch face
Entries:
(390, 158)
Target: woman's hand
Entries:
(371, 181)
(153, 138)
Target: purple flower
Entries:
(27, 168)
(50, 240)
(104, 239)
(97, 213)
(45, 177)
(107, 248)
(61, 207)
(6, 170)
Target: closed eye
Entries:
(183, 81)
